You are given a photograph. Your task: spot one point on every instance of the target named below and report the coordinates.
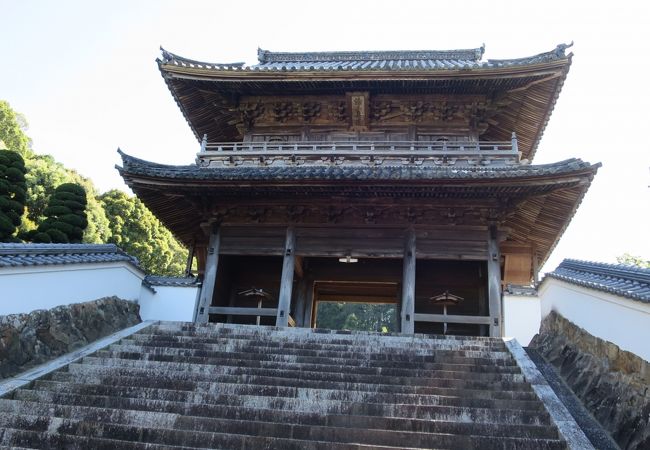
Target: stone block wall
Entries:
(614, 385)
(27, 340)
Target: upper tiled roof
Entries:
(17, 255)
(368, 61)
(623, 280)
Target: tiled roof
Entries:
(135, 166)
(156, 280)
(19, 255)
(427, 60)
(623, 280)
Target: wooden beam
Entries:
(408, 284)
(479, 320)
(236, 311)
(210, 276)
(286, 282)
(494, 282)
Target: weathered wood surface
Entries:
(480, 320)
(286, 281)
(210, 276)
(408, 284)
(238, 311)
(494, 283)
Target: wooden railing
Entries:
(371, 152)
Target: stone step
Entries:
(150, 370)
(228, 394)
(227, 365)
(234, 431)
(365, 354)
(315, 342)
(199, 423)
(432, 412)
(315, 333)
(233, 383)
(328, 341)
(457, 364)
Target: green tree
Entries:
(138, 232)
(12, 194)
(12, 130)
(633, 260)
(356, 316)
(44, 174)
(66, 216)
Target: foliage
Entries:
(12, 130)
(12, 194)
(43, 176)
(66, 216)
(356, 316)
(633, 260)
(137, 231)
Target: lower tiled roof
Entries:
(626, 281)
(157, 280)
(18, 255)
(136, 166)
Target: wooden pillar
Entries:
(190, 258)
(309, 303)
(209, 276)
(494, 282)
(286, 282)
(408, 284)
(301, 298)
(535, 267)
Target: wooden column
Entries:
(494, 282)
(309, 303)
(190, 258)
(209, 276)
(535, 266)
(300, 300)
(408, 284)
(286, 282)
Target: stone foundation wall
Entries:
(27, 340)
(613, 384)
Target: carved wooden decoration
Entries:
(359, 110)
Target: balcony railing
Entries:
(219, 154)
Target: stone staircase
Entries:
(178, 385)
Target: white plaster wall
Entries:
(621, 321)
(25, 289)
(168, 303)
(521, 317)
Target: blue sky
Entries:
(83, 73)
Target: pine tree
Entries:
(66, 216)
(12, 194)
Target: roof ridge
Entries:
(473, 54)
